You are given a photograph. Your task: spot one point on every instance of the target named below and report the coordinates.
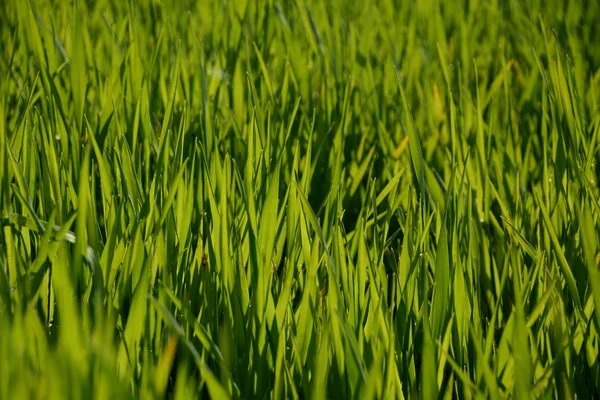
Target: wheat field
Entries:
(299, 199)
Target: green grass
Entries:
(299, 199)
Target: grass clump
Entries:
(299, 199)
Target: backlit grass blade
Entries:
(215, 389)
(416, 153)
(78, 66)
(562, 261)
(442, 287)
(589, 239)
(429, 388)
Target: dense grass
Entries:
(311, 198)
